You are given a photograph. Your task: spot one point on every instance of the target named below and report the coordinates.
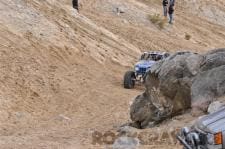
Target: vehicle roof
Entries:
(215, 122)
(156, 52)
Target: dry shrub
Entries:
(187, 36)
(157, 20)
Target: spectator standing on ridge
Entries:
(165, 8)
(171, 11)
(76, 5)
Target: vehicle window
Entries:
(144, 56)
(154, 57)
(151, 57)
(167, 55)
(159, 57)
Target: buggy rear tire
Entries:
(129, 80)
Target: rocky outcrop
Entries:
(213, 107)
(126, 143)
(207, 86)
(181, 81)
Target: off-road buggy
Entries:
(146, 61)
(207, 133)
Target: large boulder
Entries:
(214, 106)
(142, 111)
(208, 86)
(183, 80)
(126, 143)
(213, 59)
(168, 86)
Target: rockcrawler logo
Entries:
(156, 137)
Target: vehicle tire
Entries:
(129, 80)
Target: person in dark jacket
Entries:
(171, 11)
(165, 8)
(76, 5)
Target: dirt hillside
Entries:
(202, 20)
(61, 72)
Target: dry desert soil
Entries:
(61, 71)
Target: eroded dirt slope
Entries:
(202, 20)
(59, 76)
(61, 72)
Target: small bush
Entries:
(187, 36)
(162, 23)
(157, 20)
(154, 18)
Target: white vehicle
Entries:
(207, 133)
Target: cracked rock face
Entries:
(183, 80)
(126, 143)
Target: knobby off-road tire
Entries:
(129, 80)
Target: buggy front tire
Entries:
(129, 80)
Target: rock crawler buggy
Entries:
(146, 61)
